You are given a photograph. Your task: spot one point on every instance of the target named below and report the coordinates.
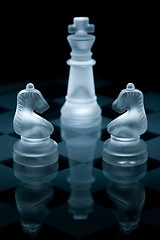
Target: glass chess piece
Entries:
(125, 147)
(81, 108)
(34, 130)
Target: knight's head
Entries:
(127, 99)
(38, 102)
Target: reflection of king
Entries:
(126, 129)
(80, 150)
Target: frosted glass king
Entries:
(81, 108)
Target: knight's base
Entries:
(124, 152)
(35, 153)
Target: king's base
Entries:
(81, 123)
(81, 113)
(124, 151)
(35, 153)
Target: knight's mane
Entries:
(138, 96)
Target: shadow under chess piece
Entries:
(126, 193)
(81, 108)
(125, 147)
(34, 130)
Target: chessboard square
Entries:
(9, 100)
(101, 82)
(111, 90)
(108, 112)
(61, 180)
(150, 101)
(104, 101)
(152, 179)
(148, 135)
(6, 122)
(151, 217)
(7, 178)
(3, 110)
(99, 219)
(154, 122)
(82, 149)
(59, 101)
(8, 215)
(99, 182)
(7, 143)
(105, 135)
(56, 122)
(56, 134)
(53, 112)
(105, 122)
(50, 90)
(98, 149)
(153, 146)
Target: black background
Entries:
(34, 45)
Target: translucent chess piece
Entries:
(125, 130)
(81, 108)
(34, 130)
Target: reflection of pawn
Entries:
(126, 129)
(81, 107)
(34, 130)
(126, 193)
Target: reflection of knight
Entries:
(81, 151)
(33, 194)
(126, 193)
(34, 130)
(31, 203)
(125, 130)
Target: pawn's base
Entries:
(39, 152)
(124, 151)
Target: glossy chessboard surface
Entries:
(77, 199)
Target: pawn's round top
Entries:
(29, 86)
(130, 87)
